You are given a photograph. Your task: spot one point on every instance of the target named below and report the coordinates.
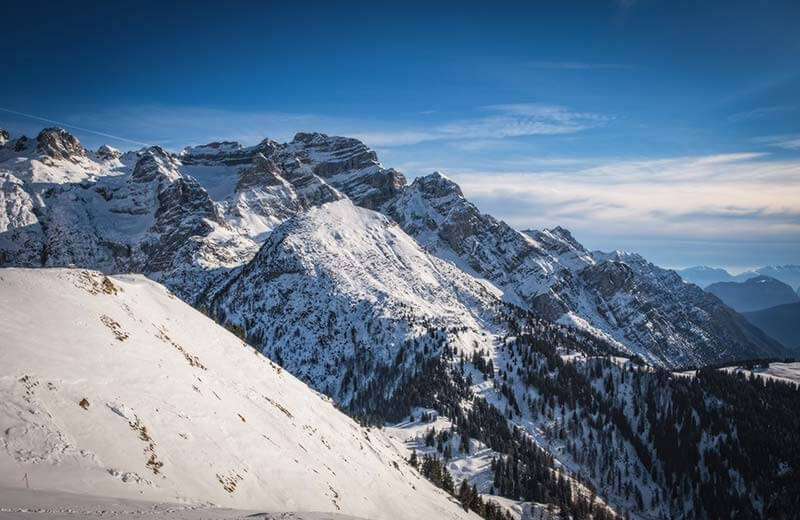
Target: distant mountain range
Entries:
(767, 302)
(779, 322)
(704, 276)
(756, 293)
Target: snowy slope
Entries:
(112, 386)
(341, 285)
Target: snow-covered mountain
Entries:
(341, 294)
(191, 220)
(705, 276)
(181, 219)
(644, 309)
(755, 294)
(133, 212)
(788, 274)
(112, 386)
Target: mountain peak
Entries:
(566, 235)
(333, 149)
(763, 279)
(437, 185)
(57, 143)
(262, 172)
(108, 153)
(705, 269)
(348, 165)
(343, 276)
(310, 137)
(4, 136)
(154, 161)
(268, 146)
(560, 240)
(754, 293)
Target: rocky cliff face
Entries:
(57, 143)
(348, 165)
(116, 212)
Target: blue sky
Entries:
(669, 128)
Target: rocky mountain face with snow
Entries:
(183, 219)
(340, 293)
(619, 296)
(194, 219)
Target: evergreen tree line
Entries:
(727, 444)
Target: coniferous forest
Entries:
(690, 445)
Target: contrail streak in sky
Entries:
(60, 123)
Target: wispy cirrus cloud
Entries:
(493, 123)
(726, 196)
(175, 127)
(787, 142)
(760, 113)
(523, 119)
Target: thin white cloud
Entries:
(521, 119)
(496, 123)
(707, 197)
(787, 142)
(760, 113)
(181, 126)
